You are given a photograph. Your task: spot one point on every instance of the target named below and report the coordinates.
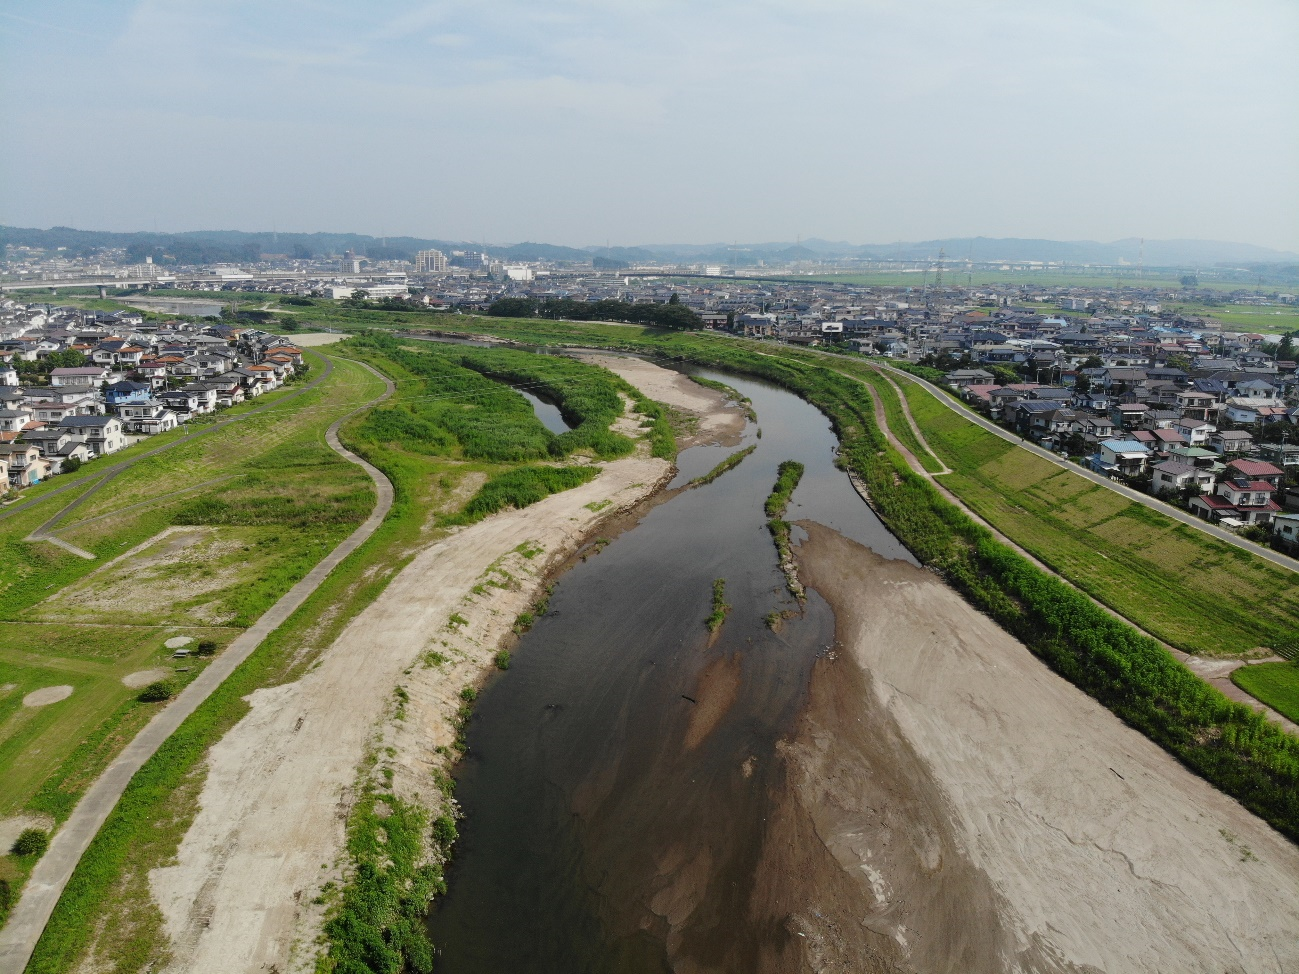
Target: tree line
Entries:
(671, 315)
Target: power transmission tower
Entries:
(938, 271)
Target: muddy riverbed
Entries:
(889, 782)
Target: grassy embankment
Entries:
(897, 421)
(1276, 684)
(436, 477)
(1193, 591)
(281, 499)
(1228, 743)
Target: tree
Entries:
(513, 308)
(674, 299)
(1093, 362)
(1190, 280)
(1082, 384)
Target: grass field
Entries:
(1276, 684)
(1193, 591)
(271, 500)
(437, 476)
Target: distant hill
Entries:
(213, 246)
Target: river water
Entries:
(619, 774)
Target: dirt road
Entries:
(953, 805)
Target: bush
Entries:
(70, 465)
(444, 832)
(206, 648)
(157, 691)
(521, 487)
(502, 660)
(32, 842)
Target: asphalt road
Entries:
(45, 886)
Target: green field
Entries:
(1183, 586)
(196, 541)
(1276, 684)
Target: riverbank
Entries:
(952, 805)
(384, 698)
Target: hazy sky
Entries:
(581, 121)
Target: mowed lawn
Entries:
(1188, 589)
(35, 742)
(1276, 684)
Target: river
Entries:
(619, 775)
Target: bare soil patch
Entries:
(952, 805)
(47, 695)
(142, 678)
(719, 422)
(15, 825)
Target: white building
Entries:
(430, 262)
(373, 290)
(519, 272)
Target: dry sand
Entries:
(954, 806)
(142, 678)
(279, 784)
(47, 695)
(716, 424)
(14, 826)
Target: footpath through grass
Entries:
(1191, 590)
(220, 556)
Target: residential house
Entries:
(1128, 415)
(149, 417)
(12, 421)
(1124, 457)
(1285, 529)
(1194, 431)
(103, 434)
(25, 464)
(1257, 470)
(1194, 404)
(126, 392)
(83, 375)
(1230, 442)
(1095, 428)
(1239, 501)
(1173, 476)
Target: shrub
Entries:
(32, 842)
(502, 660)
(206, 648)
(469, 694)
(70, 465)
(444, 832)
(157, 691)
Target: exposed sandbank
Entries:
(953, 805)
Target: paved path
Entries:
(1214, 672)
(1222, 534)
(18, 938)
